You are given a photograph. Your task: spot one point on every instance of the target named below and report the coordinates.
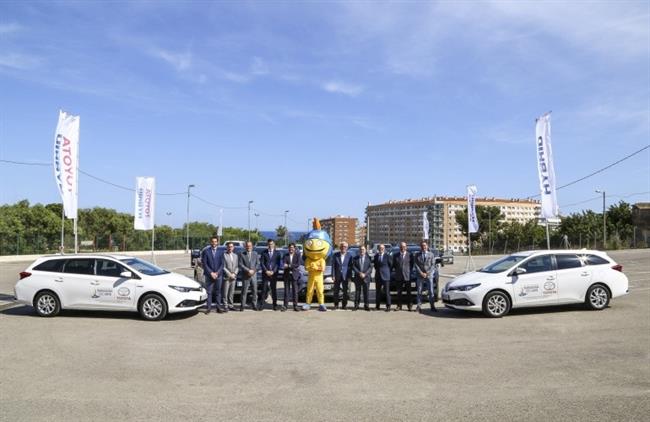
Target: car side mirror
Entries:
(520, 271)
(126, 274)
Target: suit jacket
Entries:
(382, 267)
(230, 265)
(426, 264)
(248, 262)
(270, 263)
(211, 263)
(358, 268)
(342, 270)
(403, 266)
(293, 272)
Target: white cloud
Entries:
(10, 28)
(342, 88)
(180, 61)
(19, 61)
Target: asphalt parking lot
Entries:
(563, 363)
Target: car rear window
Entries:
(595, 260)
(52, 265)
(80, 266)
(565, 261)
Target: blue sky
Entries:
(320, 107)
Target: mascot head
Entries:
(318, 244)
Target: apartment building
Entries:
(403, 220)
(341, 229)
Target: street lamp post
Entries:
(249, 220)
(286, 230)
(257, 227)
(187, 226)
(604, 220)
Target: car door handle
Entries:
(139, 285)
(550, 278)
(59, 280)
(94, 283)
(585, 274)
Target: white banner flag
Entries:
(66, 161)
(425, 226)
(472, 221)
(545, 166)
(145, 195)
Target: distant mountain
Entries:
(293, 236)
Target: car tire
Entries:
(597, 297)
(152, 307)
(47, 304)
(496, 304)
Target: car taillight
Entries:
(618, 267)
(24, 274)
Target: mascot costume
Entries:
(317, 247)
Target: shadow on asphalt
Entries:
(28, 311)
(6, 297)
(459, 314)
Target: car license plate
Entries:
(328, 287)
(239, 284)
(445, 296)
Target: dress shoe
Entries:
(399, 308)
(207, 311)
(241, 309)
(356, 308)
(283, 308)
(336, 307)
(295, 308)
(387, 310)
(367, 309)
(219, 310)
(345, 307)
(418, 309)
(410, 308)
(231, 308)
(275, 307)
(433, 308)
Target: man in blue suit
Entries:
(341, 274)
(211, 260)
(362, 268)
(383, 264)
(270, 263)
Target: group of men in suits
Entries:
(347, 268)
(221, 271)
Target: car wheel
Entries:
(597, 297)
(47, 304)
(496, 304)
(153, 307)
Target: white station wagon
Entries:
(106, 282)
(538, 278)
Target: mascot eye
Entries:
(309, 243)
(319, 243)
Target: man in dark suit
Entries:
(383, 263)
(402, 265)
(362, 268)
(248, 263)
(270, 263)
(291, 264)
(425, 265)
(212, 266)
(341, 274)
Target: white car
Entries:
(106, 282)
(538, 278)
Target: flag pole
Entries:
(62, 228)
(153, 237)
(548, 237)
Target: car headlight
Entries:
(464, 288)
(182, 289)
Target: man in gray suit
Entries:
(230, 271)
(248, 263)
(425, 265)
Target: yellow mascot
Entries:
(317, 247)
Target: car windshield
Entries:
(502, 264)
(143, 267)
